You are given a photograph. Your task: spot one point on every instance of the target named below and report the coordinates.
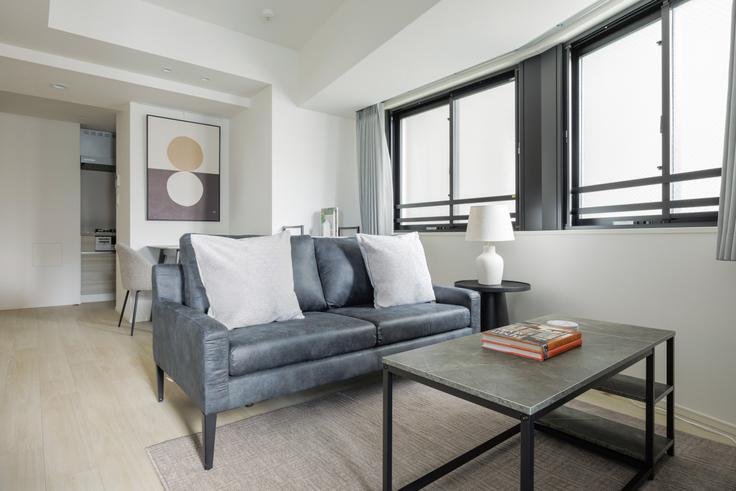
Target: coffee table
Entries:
(535, 393)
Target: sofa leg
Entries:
(160, 382)
(209, 425)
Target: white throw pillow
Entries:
(397, 268)
(248, 281)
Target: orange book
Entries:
(532, 336)
(524, 353)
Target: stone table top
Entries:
(524, 385)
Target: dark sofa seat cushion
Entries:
(345, 280)
(318, 335)
(403, 322)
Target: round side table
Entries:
(493, 310)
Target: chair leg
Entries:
(122, 311)
(160, 382)
(209, 425)
(135, 308)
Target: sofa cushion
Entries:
(194, 292)
(402, 322)
(318, 335)
(397, 269)
(307, 285)
(342, 272)
(248, 281)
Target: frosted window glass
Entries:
(425, 156)
(485, 125)
(620, 110)
(700, 45)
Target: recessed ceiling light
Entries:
(166, 69)
(205, 79)
(58, 86)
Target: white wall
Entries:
(250, 169)
(313, 157)
(39, 212)
(666, 279)
(288, 163)
(133, 227)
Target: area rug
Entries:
(334, 443)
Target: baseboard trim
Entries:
(97, 297)
(695, 416)
(704, 419)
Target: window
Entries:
(455, 150)
(648, 100)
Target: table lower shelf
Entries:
(615, 437)
(632, 388)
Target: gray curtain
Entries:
(374, 168)
(726, 241)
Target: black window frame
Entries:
(448, 97)
(616, 28)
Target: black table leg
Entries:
(502, 310)
(161, 256)
(527, 454)
(649, 424)
(494, 311)
(388, 381)
(671, 395)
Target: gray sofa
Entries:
(341, 336)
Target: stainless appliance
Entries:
(104, 239)
(97, 147)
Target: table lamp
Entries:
(488, 224)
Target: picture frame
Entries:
(328, 220)
(183, 165)
(293, 229)
(348, 231)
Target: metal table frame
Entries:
(528, 423)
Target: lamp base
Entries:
(489, 266)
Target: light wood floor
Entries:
(78, 404)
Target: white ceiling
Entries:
(293, 25)
(87, 116)
(449, 37)
(351, 53)
(35, 79)
(25, 23)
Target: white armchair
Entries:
(135, 274)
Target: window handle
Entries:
(659, 167)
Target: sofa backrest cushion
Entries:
(307, 285)
(194, 292)
(342, 270)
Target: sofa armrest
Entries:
(168, 283)
(461, 296)
(193, 349)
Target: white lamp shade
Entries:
(489, 223)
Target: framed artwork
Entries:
(183, 170)
(348, 231)
(328, 222)
(294, 229)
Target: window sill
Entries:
(599, 231)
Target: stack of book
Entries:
(532, 340)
